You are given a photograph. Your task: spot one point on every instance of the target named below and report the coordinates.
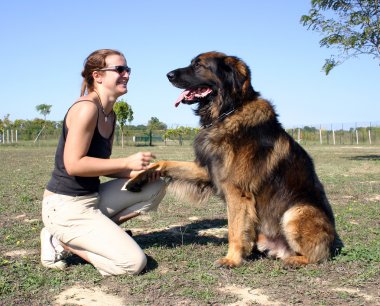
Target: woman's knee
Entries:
(131, 266)
(157, 194)
(138, 265)
(151, 199)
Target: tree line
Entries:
(32, 129)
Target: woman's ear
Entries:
(98, 77)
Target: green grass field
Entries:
(184, 240)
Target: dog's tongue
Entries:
(190, 94)
(181, 97)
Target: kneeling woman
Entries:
(81, 215)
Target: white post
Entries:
(369, 137)
(357, 137)
(16, 136)
(333, 132)
(320, 134)
(369, 134)
(299, 135)
(11, 136)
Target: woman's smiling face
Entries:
(113, 80)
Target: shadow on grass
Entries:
(182, 235)
(364, 157)
(189, 234)
(170, 238)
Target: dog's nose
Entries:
(170, 75)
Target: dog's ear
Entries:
(236, 78)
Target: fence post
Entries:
(320, 134)
(333, 132)
(299, 135)
(369, 134)
(369, 137)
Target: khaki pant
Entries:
(84, 222)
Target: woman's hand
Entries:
(139, 161)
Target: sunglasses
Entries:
(118, 69)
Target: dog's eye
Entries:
(197, 65)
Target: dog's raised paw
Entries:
(135, 184)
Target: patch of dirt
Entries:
(174, 228)
(84, 296)
(20, 253)
(214, 232)
(20, 216)
(170, 228)
(374, 198)
(248, 296)
(145, 217)
(367, 297)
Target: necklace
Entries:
(102, 108)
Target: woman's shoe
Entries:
(52, 253)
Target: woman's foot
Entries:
(52, 253)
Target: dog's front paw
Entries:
(135, 184)
(226, 262)
(160, 166)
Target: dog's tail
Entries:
(194, 192)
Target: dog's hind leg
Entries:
(242, 219)
(309, 233)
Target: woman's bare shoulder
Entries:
(84, 110)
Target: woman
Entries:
(81, 215)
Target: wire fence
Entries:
(337, 134)
(364, 133)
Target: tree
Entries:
(5, 123)
(179, 132)
(155, 124)
(43, 109)
(124, 113)
(351, 26)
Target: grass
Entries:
(180, 267)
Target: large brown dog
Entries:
(274, 198)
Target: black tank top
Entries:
(61, 182)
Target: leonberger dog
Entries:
(275, 201)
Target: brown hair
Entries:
(96, 60)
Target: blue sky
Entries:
(44, 44)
